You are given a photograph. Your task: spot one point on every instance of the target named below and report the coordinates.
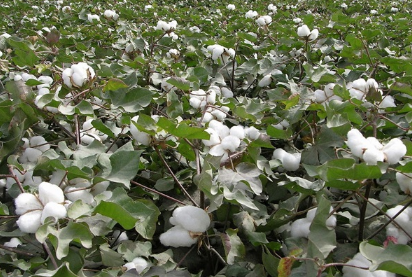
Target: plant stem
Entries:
(50, 255)
(362, 212)
(157, 192)
(175, 178)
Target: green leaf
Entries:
(234, 248)
(354, 41)
(278, 133)
(270, 262)
(77, 232)
(182, 130)
(348, 169)
(180, 83)
(394, 258)
(114, 84)
(84, 108)
(141, 214)
(132, 100)
(322, 240)
(124, 164)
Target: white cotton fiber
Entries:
(29, 222)
(50, 193)
(291, 162)
(230, 143)
(300, 228)
(221, 129)
(394, 150)
(372, 156)
(252, 133)
(177, 236)
(356, 142)
(217, 150)
(278, 154)
(405, 182)
(238, 131)
(27, 202)
(191, 218)
(30, 155)
(14, 242)
(360, 261)
(404, 220)
(54, 210)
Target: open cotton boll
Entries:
(27, 202)
(30, 155)
(405, 182)
(227, 93)
(238, 131)
(320, 96)
(46, 80)
(300, 228)
(217, 150)
(40, 143)
(291, 162)
(50, 193)
(403, 220)
(394, 150)
(231, 7)
(387, 102)
(14, 242)
(191, 218)
(252, 133)
(214, 138)
(138, 263)
(356, 142)
(54, 210)
(372, 156)
(313, 35)
(93, 17)
(30, 222)
(251, 14)
(278, 154)
(216, 51)
(230, 143)
(221, 129)
(177, 236)
(303, 31)
(218, 114)
(264, 20)
(66, 75)
(139, 136)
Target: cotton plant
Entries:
(372, 151)
(35, 209)
(166, 26)
(139, 264)
(92, 18)
(251, 14)
(110, 14)
(289, 161)
(189, 223)
(358, 267)
(78, 75)
(300, 228)
(305, 33)
(219, 52)
(231, 7)
(326, 95)
(264, 21)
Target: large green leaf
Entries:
(234, 248)
(348, 169)
(141, 214)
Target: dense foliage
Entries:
(224, 139)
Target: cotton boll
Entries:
(291, 162)
(394, 150)
(387, 102)
(372, 156)
(230, 143)
(359, 84)
(216, 50)
(138, 263)
(207, 117)
(320, 96)
(313, 35)
(40, 143)
(50, 193)
(357, 143)
(251, 14)
(359, 261)
(27, 202)
(403, 220)
(139, 136)
(300, 228)
(92, 17)
(218, 114)
(238, 131)
(54, 210)
(177, 236)
(231, 7)
(214, 138)
(191, 218)
(252, 133)
(14, 242)
(221, 129)
(227, 93)
(405, 182)
(74, 194)
(217, 150)
(66, 75)
(25, 76)
(278, 154)
(29, 222)
(303, 31)
(31, 155)
(46, 80)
